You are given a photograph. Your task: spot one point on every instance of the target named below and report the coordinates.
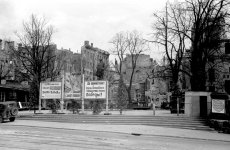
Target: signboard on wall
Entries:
(218, 106)
(50, 90)
(72, 86)
(95, 90)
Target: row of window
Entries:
(2, 96)
(7, 61)
(225, 76)
(88, 72)
(93, 56)
(12, 95)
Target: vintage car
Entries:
(8, 110)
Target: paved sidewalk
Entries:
(129, 129)
(126, 129)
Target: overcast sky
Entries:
(78, 20)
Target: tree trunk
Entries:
(198, 79)
(130, 98)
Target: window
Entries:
(70, 69)
(227, 48)
(211, 75)
(2, 96)
(223, 76)
(211, 59)
(13, 95)
(152, 81)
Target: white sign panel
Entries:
(218, 106)
(50, 90)
(72, 86)
(95, 90)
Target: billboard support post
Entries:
(154, 107)
(39, 100)
(62, 93)
(178, 109)
(107, 98)
(82, 94)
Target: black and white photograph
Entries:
(114, 74)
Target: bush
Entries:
(165, 105)
(122, 95)
(74, 106)
(54, 105)
(97, 107)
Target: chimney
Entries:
(86, 42)
(69, 49)
(91, 44)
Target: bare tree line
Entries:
(197, 28)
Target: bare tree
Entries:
(204, 25)
(211, 25)
(169, 29)
(133, 44)
(120, 46)
(36, 54)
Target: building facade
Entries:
(146, 86)
(10, 88)
(91, 57)
(217, 70)
(7, 62)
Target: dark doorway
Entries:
(227, 86)
(203, 106)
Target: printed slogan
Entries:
(95, 89)
(51, 90)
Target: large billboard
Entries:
(72, 86)
(51, 90)
(95, 90)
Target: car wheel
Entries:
(12, 119)
(1, 119)
(14, 111)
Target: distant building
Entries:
(69, 68)
(48, 61)
(218, 71)
(10, 88)
(7, 62)
(64, 60)
(91, 57)
(142, 78)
